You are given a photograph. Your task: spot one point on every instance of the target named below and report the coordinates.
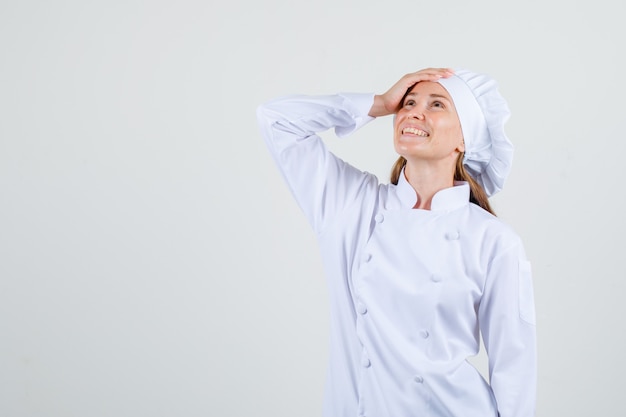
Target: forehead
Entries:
(428, 88)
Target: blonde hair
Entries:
(478, 195)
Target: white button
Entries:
(454, 235)
(367, 257)
(360, 307)
(379, 218)
(419, 379)
(424, 334)
(365, 362)
(435, 278)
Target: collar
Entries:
(445, 200)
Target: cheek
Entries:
(453, 131)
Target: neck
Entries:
(428, 178)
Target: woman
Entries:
(416, 268)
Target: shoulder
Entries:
(495, 234)
(363, 197)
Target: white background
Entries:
(152, 262)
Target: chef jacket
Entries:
(411, 290)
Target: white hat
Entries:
(483, 113)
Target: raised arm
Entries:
(322, 184)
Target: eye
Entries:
(438, 104)
(409, 102)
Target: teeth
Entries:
(414, 131)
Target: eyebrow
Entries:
(431, 95)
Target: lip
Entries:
(416, 127)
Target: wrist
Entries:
(378, 108)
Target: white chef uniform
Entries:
(410, 289)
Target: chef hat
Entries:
(483, 113)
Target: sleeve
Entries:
(321, 183)
(507, 323)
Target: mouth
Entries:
(415, 131)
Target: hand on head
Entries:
(389, 102)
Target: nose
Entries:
(416, 112)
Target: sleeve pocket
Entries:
(526, 295)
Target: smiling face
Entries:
(427, 126)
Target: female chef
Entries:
(420, 267)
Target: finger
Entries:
(394, 95)
(437, 70)
(430, 74)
